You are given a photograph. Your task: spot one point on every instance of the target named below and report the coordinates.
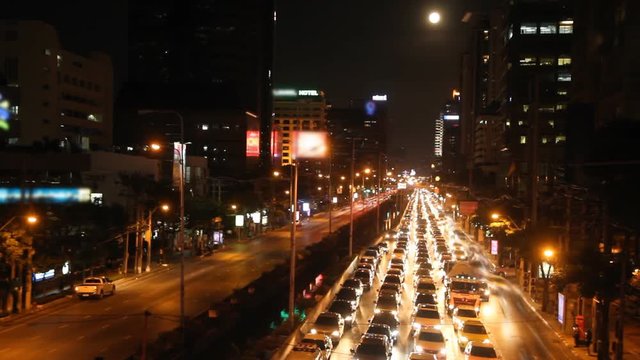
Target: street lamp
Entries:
(182, 157)
(30, 220)
(495, 216)
(165, 208)
(234, 207)
(276, 173)
(548, 255)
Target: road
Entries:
(112, 327)
(517, 331)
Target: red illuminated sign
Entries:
(253, 143)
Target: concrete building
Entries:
(447, 158)
(58, 98)
(304, 110)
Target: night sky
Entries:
(349, 48)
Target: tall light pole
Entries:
(163, 207)
(351, 188)
(292, 269)
(330, 190)
(181, 161)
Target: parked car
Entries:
(321, 341)
(346, 309)
(95, 287)
(373, 347)
(330, 324)
(354, 284)
(365, 276)
(348, 294)
(381, 329)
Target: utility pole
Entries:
(533, 168)
(138, 266)
(351, 188)
(292, 269)
(623, 282)
(126, 252)
(330, 189)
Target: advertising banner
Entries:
(467, 207)
(310, 144)
(253, 143)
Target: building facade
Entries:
(295, 110)
(58, 98)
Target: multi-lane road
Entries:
(112, 327)
(515, 329)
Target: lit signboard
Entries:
(239, 220)
(178, 151)
(255, 217)
(451, 117)
(494, 247)
(253, 143)
(561, 308)
(308, 93)
(402, 186)
(4, 114)
(370, 108)
(275, 144)
(284, 92)
(379, 98)
(310, 144)
(45, 195)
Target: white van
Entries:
(305, 352)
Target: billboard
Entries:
(253, 143)
(48, 195)
(494, 247)
(178, 151)
(561, 308)
(310, 144)
(402, 186)
(467, 207)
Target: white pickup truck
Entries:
(95, 287)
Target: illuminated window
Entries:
(527, 61)
(564, 61)
(47, 52)
(525, 108)
(520, 123)
(547, 109)
(528, 28)
(561, 92)
(545, 140)
(561, 106)
(548, 28)
(547, 61)
(566, 27)
(523, 139)
(508, 123)
(204, 126)
(485, 59)
(564, 76)
(551, 123)
(560, 138)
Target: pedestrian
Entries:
(576, 335)
(588, 335)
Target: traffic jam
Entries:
(419, 293)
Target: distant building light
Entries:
(284, 92)
(204, 127)
(307, 92)
(379, 98)
(451, 117)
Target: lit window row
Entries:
(544, 61)
(547, 28)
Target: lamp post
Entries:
(548, 255)
(26, 291)
(163, 207)
(182, 158)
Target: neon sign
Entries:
(45, 195)
(379, 98)
(4, 114)
(370, 108)
(307, 92)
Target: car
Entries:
(486, 293)
(365, 276)
(306, 352)
(462, 314)
(397, 261)
(367, 266)
(480, 351)
(460, 254)
(399, 253)
(425, 285)
(391, 288)
(422, 356)
(387, 318)
(383, 246)
(401, 245)
(472, 330)
(321, 341)
(330, 324)
(425, 299)
(387, 303)
(380, 329)
(393, 279)
(369, 260)
(396, 271)
(97, 286)
(431, 341)
(373, 347)
(372, 252)
(396, 266)
(424, 266)
(348, 294)
(346, 309)
(354, 284)
(426, 315)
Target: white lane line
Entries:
(107, 308)
(63, 326)
(127, 337)
(87, 316)
(103, 349)
(53, 350)
(106, 326)
(80, 337)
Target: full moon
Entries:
(434, 17)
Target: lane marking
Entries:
(80, 337)
(87, 316)
(106, 326)
(53, 350)
(107, 308)
(127, 337)
(63, 326)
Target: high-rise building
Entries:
(295, 110)
(57, 98)
(207, 43)
(539, 43)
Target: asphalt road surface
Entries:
(112, 327)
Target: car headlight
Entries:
(487, 292)
(419, 348)
(394, 312)
(377, 311)
(353, 303)
(463, 339)
(76, 288)
(394, 333)
(451, 307)
(348, 318)
(416, 326)
(313, 331)
(335, 333)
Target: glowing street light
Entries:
(434, 17)
(32, 219)
(367, 171)
(495, 216)
(155, 147)
(342, 178)
(276, 173)
(234, 207)
(548, 253)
